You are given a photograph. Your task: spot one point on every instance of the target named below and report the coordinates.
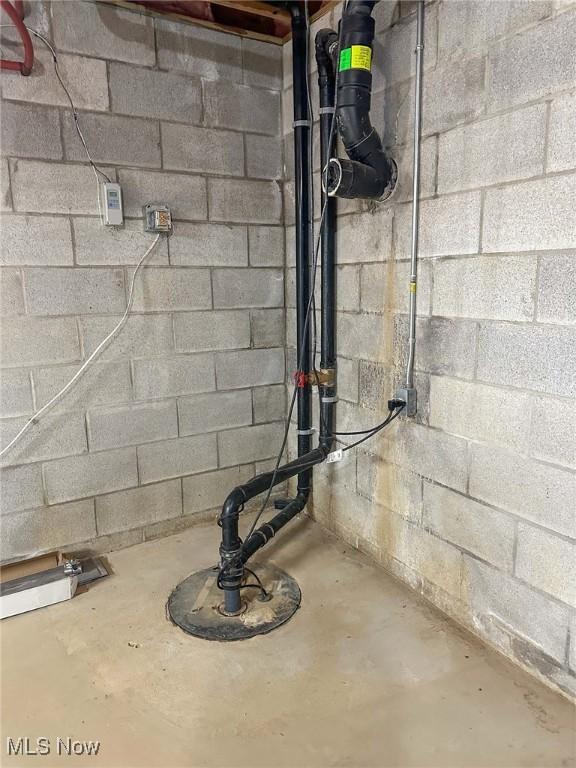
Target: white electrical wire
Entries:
(33, 419)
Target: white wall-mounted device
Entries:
(111, 204)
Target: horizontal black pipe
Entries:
(268, 530)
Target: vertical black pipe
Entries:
(325, 39)
(304, 213)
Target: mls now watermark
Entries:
(24, 745)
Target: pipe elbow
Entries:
(233, 503)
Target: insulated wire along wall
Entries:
(97, 352)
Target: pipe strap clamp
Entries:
(305, 432)
(302, 124)
(326, 111)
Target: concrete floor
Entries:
(365, 674)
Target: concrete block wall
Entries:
(188, 400)
(472, 502)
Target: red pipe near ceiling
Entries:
(16, 12)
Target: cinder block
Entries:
(33, 341)
(561, 154)
(362, 336)
(198, 331)
(553, 432)
(208, 413)
(503, 148)
(139, 506)
(185, 194)
(114, 33)
(466, 26)
(85, 79)
(441, 230)
(533, 64)
(483, 531)
(364, 237)
(170, 288)
(174, 458)
(535, 215)
(520, 355)
(114, 139)
(167, 377)
(255, 202)
(54, 187)
(98, 245)
(433, 454)
(390, 486)
(11, 293)
(249, 443)
(507, 610)
(347, 379)
(209, 245)
(480, 412)
(266, 246)
(30, 131)
(36, 241)
(348, 294)
(186, 147)
(394, 58)
(100, 383)
(15, 392)
(249, 368)
(149, 93)
(269, 403)
(262, 64)
(386, 287)
(54, 435)
(437, 561)
(556, 297)
(209, 491)
(547, 562)
(47, 528)
(445, 346)
(491, 287)
(289, 202)
(74, 291)
(263, 156)
(404, 158)
(248, 288)
(268, 327)
(453, 94)
(228, 105)
(198, 51)
(116, 426)
(5, 191)
(534, 491)
(376, 384)
(141, 336)
(91, 474)
(21, 489)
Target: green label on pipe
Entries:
(356, 57)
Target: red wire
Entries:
(16, 13)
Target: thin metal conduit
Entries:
(415, 192)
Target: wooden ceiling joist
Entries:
(266, 21)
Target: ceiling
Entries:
(268, 21)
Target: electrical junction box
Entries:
(111, 204)
(157, 218)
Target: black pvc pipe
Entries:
(369, 172)
(326, 45)
(233, 554)
(304, 214)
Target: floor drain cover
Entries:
(196, 602)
